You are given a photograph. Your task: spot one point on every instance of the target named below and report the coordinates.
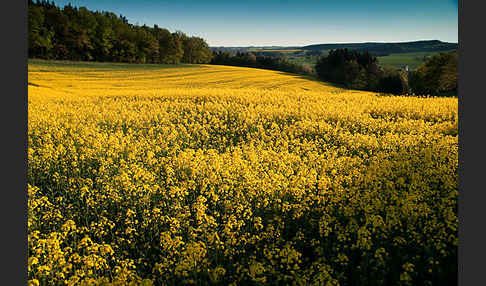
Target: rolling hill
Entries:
(383, 49)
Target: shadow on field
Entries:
(312, 78)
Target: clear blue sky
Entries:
(291, 23)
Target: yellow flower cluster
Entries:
(235, 176)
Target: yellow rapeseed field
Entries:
(198, 174)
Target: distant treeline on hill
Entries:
(245, 59)
(384, 49)
(79, 34)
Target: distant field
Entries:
(304, 60)
(413, 60)
(200, 174)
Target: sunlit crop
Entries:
(227, 175)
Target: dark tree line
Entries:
(246, 59)
(359, 70)
(79, 34)
(437, 76)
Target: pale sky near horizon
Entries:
(291, 23)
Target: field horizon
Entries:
(289, 80)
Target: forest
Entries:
(438, 76)
(78, 34)
(249, 59)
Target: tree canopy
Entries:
(437, 76)
(245, 59)
(360, 70)
(78, 34)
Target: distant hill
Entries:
(254, 48)
(375, 48)
(383, 49)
